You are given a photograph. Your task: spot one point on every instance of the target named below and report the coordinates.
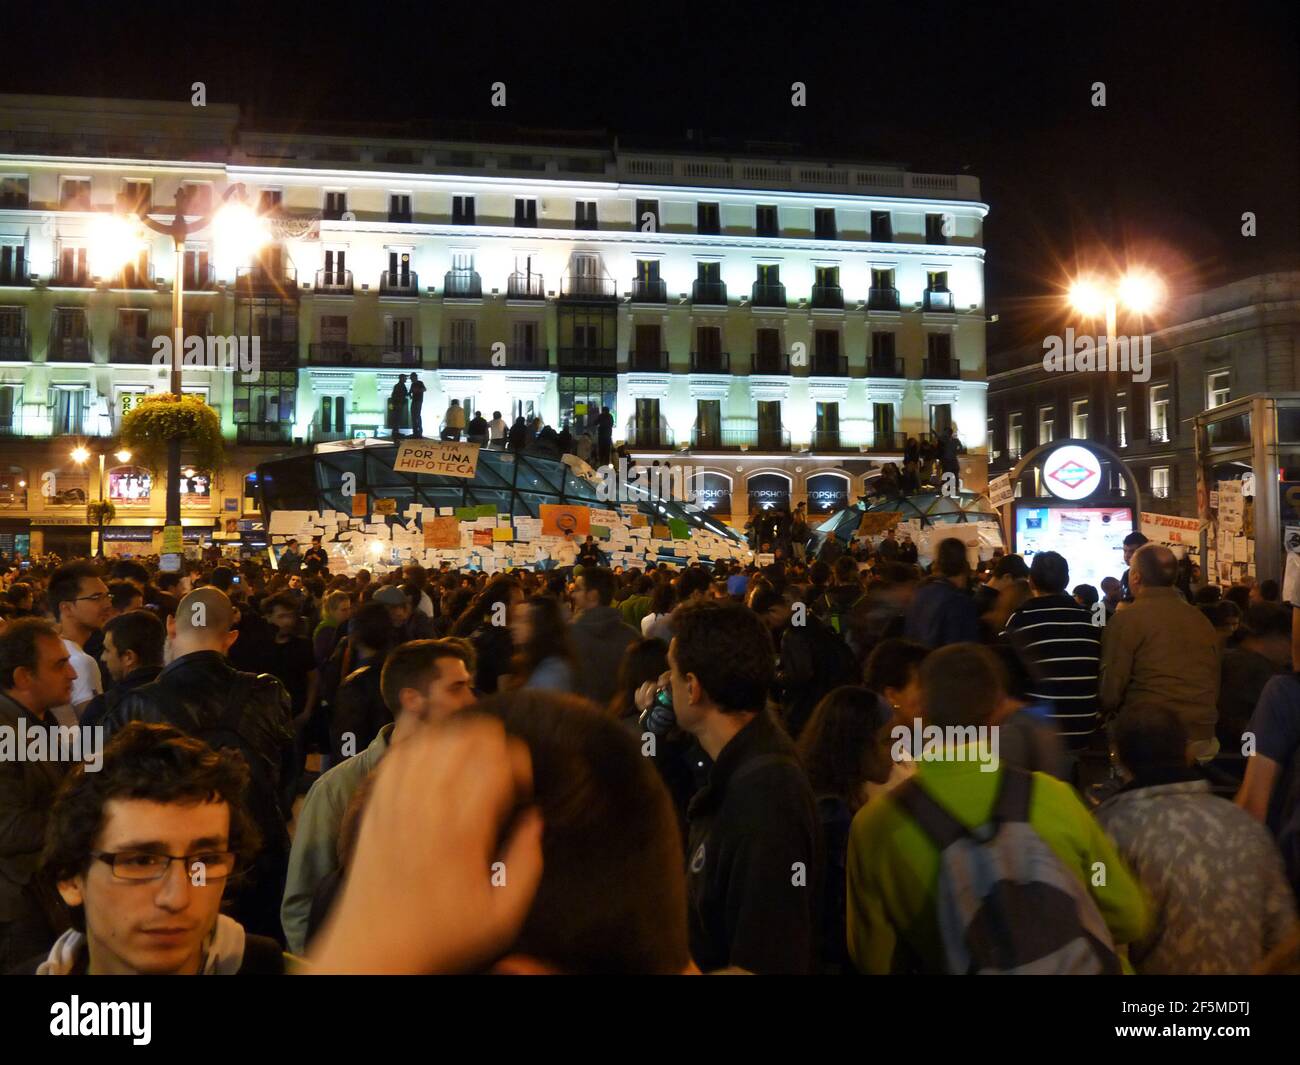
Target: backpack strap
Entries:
(1013, 800)
(936, 822)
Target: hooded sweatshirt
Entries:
(223, 952)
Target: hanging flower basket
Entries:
(155, 421)
(100, 513)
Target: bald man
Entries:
(1162, 651)
(200, 693)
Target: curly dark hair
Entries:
(158, 763)
(839, 747)
(729, 650)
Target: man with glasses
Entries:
(141, 852)
(81, 604)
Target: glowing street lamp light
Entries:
(1139, 290)
(81, 455)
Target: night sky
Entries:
(1202, 119)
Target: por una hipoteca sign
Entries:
(445, 458)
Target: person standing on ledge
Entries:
(397, 407)
(417, 407)
(453, 421)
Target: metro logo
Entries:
(1072, 474)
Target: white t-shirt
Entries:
(426, 605)
(87, 685)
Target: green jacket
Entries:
(316, 836)
(893, 868)
(634, 609)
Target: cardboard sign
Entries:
(442, 533)
(171, 540)
(385, 506)
(1000, 490)
(1171, 529)
(558, 518)
(446, 458)
(483, 537)
(878, 522)
(359, 505)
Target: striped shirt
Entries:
(1057, 638)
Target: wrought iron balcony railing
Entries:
(882, 299)
(588, 359)
(647, 361)
(335, 282)
(524, 286)
(827, 297)
(399, 283)
(709, 293)
(332, 353)
(462, 284)
(710, 362)
(767, 295)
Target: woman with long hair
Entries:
(643, 661)
(543, 656)
(844, 747)
(662, 598)
(486, 625)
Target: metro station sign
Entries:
(1071, 472)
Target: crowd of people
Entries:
(650, 769)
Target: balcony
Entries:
(766, 295)
(278, 433)
(400, 218)
(937, 300)
(827, 298)
(829, 366)
(1159, 435)
(332, 353)
(770, 363)
(647, 361)
(882, 299)
(740, 439)
(886, 366)
(588, 287)
(132, 277)
(68, 349)
(130, 349)
(462, 285)
(709, 293)
(830, 440)
(941, 369)
(888, 443)
(399, 283)
(710, 362)
(69, 277)
(588, 359)
(649, 436)
(16, 348)
(264, 282)
(649, 290)
(199, 279)
(15, 272)
(524, 286)
(334, 282)
(277, 354)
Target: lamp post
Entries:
(238, 228)
(80, 455)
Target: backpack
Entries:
(1006, 903)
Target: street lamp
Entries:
(115, 237)
(81, 455)
(1140, 292)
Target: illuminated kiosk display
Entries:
(1079, 499)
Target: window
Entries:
(1160, 482)
(13, 264)
(525, 211)
(335, 274)
(936, 280)
(332, 418)
(69, 409)
(770, 429)
(267, 403)
(334, 329)
(270, 201)
(934, 233)
(827, 431)
(135, 196)
(585, 215)
(336, 205)
(74, 194)
(766, 221)
(13, 191)
(940, 417)
(197, 268)
(1121, 419)
(1046, 424)
(1015, 435)
(883, 419)
(582, 397)
(647, 424)
(1079, 419)
(882, 227)
(399, 207)
(824, 223)
(708, 422)
(769, 274)
(11, 410)
(1218, 389)
(647, 216)
(1159, 413)
(706, 218)
(525, 350)
(462, 210)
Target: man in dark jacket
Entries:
(754, 860)
(942, 611)
(36, 675)
(200, 694)
(600, 636)
(133, 655)
(604, 436)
